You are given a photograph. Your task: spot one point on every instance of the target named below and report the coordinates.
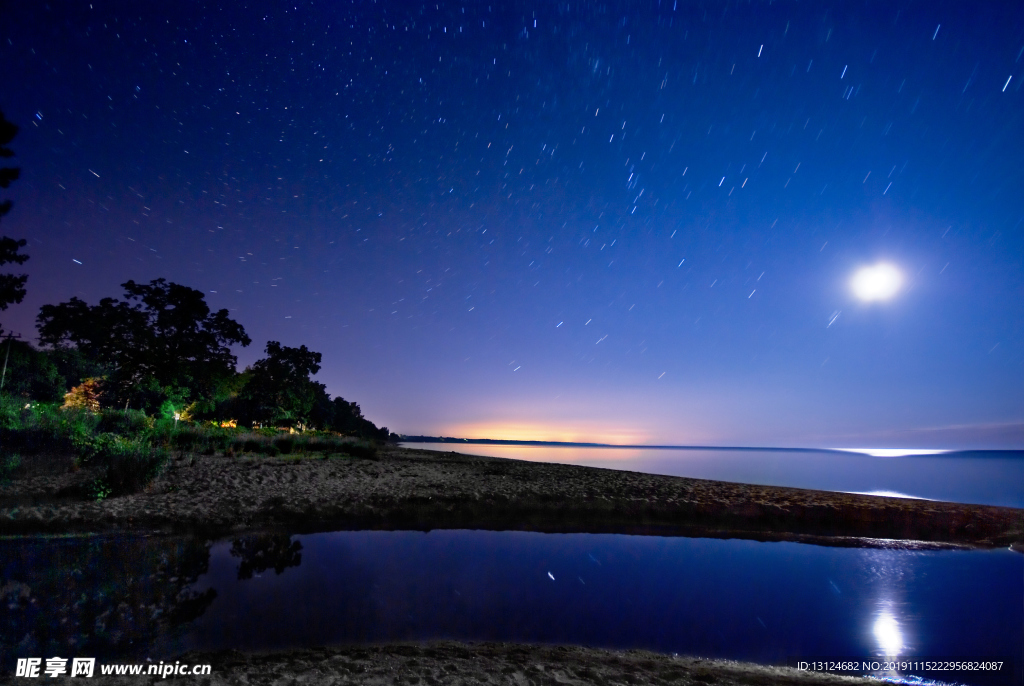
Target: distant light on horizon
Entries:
(889, 494)
(568, 431)
(879, 282)
(893, 452)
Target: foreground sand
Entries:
(458, 664)
(419, 489)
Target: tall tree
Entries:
(162, 333)
(30, 373)
(12, 287)
(279, 391)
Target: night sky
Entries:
(623, 222)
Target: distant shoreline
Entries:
(569, 444)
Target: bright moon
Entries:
(879, 282)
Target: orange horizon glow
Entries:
(536, 431)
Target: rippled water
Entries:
(980, 477)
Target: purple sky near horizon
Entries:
(621, 222)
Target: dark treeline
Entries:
(162, 350)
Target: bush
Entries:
(86, 396)
(10, 412)
(187, 438)
(92, 449)
(130, 464)
(37, 427)
(218, 439)
(8, 465)
(270, 450)
(325, 445)
(99, 490)
(69, 423)
(133, 467)
(363, 450)
(130, 422)
(285, 444)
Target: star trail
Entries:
(632, 222)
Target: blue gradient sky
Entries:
(624, 222)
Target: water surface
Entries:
(745, 600)
(981, 477)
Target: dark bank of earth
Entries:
(419, 489)
(458, 664)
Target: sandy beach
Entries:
(422, 490)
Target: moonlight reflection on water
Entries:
(887, 633)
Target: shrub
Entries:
(130, 422)
(92, 449)
(218, 440)
(10, 412)
(130, 464)
(187, 438)
(66, 429)
(133, 467)
(37, 427)
(8, 465)
(285, 444)
(85, 396)
(99, 490)
(270, 450)
(326, 445)
(363, 450)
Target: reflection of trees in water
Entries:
(97, 597)
(260, 552)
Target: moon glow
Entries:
(878, 282)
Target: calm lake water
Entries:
(745, 600)
(981, 477)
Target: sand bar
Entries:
(422, 490)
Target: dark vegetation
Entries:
(130, 448)
(12, 287)
(162, 351)
(125, 383)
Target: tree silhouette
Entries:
(279, 391)
(263, 551)
(12, 287)
(162, 334)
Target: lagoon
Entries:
(975, 477)
(762, 602)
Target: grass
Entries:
(311, 445)
(133, 448)
(8, 465)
